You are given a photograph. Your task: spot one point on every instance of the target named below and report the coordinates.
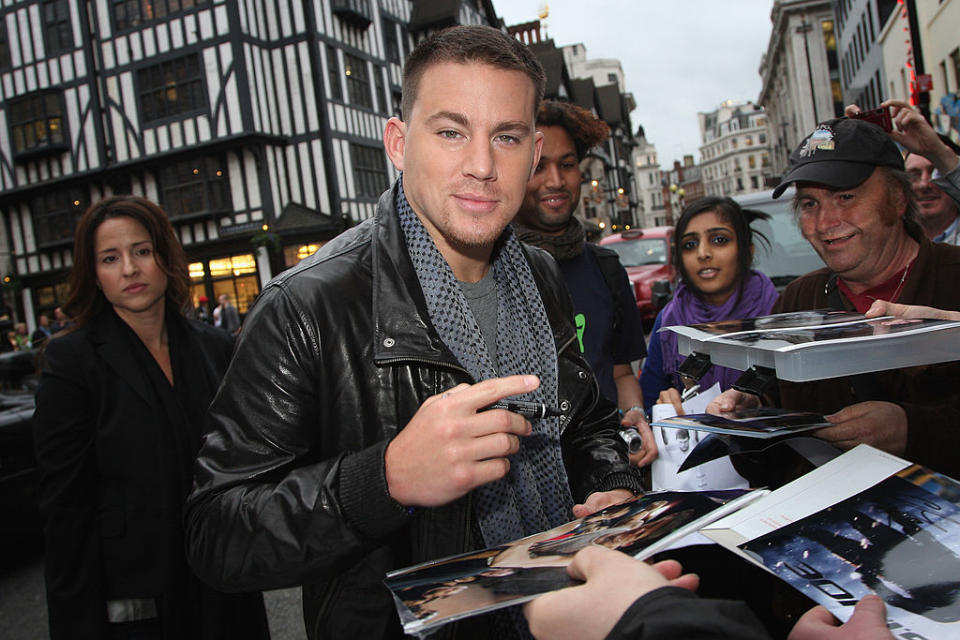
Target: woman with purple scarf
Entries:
(713, 251)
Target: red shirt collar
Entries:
(888, 290)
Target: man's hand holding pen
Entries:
(448, 448)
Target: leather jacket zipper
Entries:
(432, 363)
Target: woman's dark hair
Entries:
(86, 299)
(733, 214)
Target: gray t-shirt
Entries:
(482, 298)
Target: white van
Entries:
(788, 255)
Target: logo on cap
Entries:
(819, 140)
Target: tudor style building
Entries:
(256, 126)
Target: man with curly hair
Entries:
(608, 326)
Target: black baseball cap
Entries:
(841, 153)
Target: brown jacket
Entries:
(930, 395)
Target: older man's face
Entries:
(855, 231)
(937, 209)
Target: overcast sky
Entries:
(678, 57)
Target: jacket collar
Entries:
(111, 338)
(403, 329)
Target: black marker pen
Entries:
(525, 409)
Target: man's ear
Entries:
(537, 148)
(394, 139)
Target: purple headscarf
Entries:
(755, 298)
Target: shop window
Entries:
(197, 271)
(294, 253)
(51, 297)
(236, 276)
(195, 187)
(233, 266)
(57, 30)
(241, 291)
(55, 215)
(37, 123)
(171, 88)
(130, 13)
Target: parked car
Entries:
(19, 475)
(788, 255)
(646, 255)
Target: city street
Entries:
(23, 614)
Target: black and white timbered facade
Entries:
(255, 124)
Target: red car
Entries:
(646, 255)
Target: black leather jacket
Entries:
(335, 357)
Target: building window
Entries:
(57, 30)
(55, 215)
(37, 123)
(395, 99)
(171, 88)
(955, 59)
(5, 62)
(390, 41)
(130, 13)
(333, 74)
(370, 176)
(381, 90)
(195, 187)
(358, 84)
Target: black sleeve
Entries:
(270, 508)
(671, 612)
(64, 427)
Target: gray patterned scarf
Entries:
(535, 494)
(568, 244)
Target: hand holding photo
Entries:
(760, 422)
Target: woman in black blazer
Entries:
(120, 409)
